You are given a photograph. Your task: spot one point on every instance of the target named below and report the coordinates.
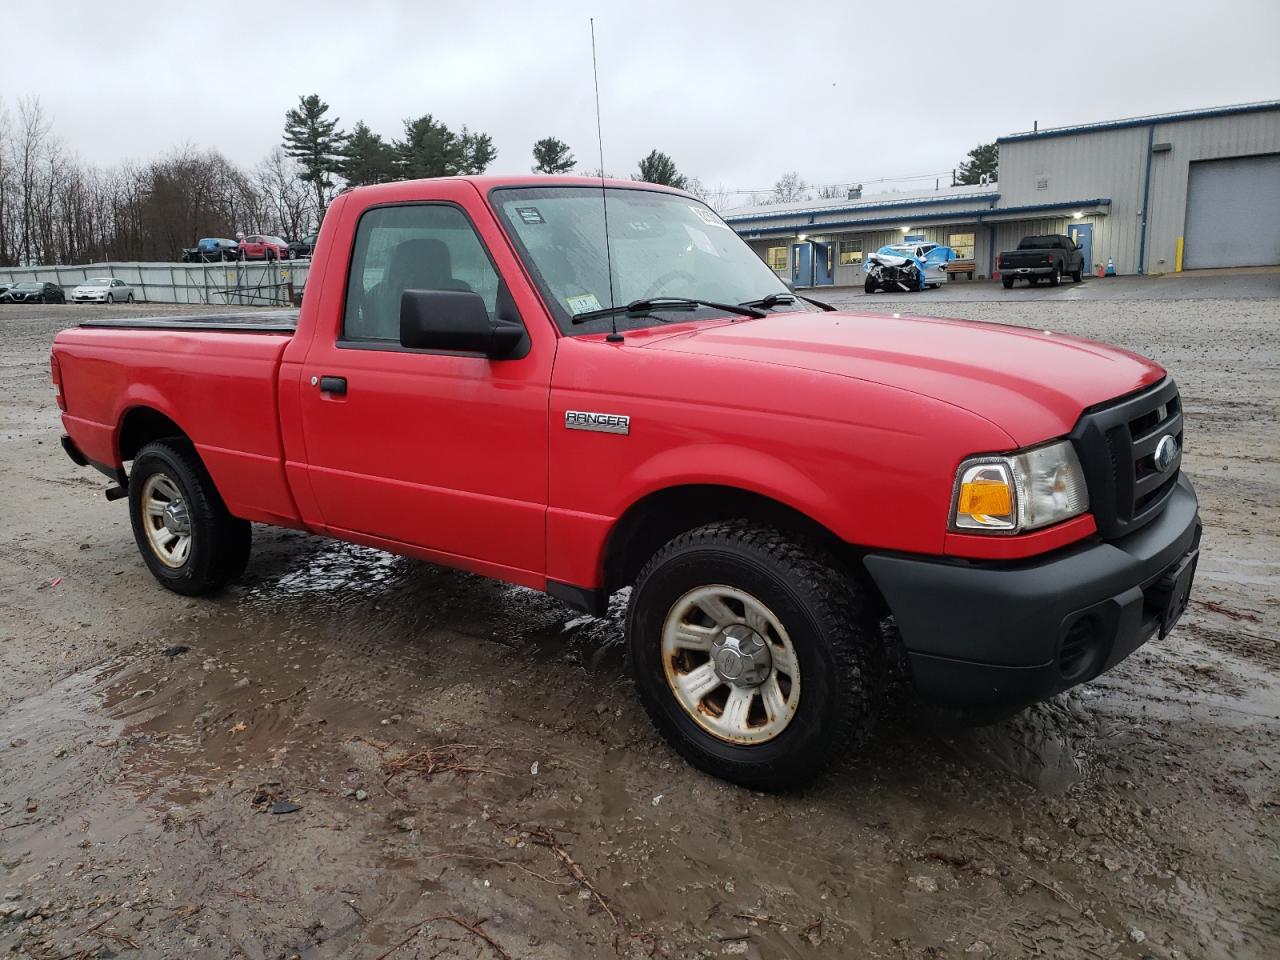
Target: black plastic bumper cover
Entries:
(986, 633)
(72, 451)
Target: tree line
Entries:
(57, 208)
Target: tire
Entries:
(218, 544)
(1076, 275)
(827, 634)
(1007, 282)
(1055, 278)
(110, 299)
(870, 286)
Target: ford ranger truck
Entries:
(484, 375)
(1049, 258)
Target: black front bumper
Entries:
(998, 633)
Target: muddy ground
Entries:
(354, 755)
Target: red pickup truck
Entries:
(581, 387)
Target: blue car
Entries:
(907, 266)
(211, 249)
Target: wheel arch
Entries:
(663, 514)
(142, 424)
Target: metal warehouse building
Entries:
(1177, 191)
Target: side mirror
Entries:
(454, 320)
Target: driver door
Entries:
(442, 450)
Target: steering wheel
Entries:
(665, 279)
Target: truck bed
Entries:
(214, 376)
(275, 321)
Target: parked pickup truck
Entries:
(482, 376)
(1050, 257)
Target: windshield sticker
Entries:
(582, 303)
(707, 217)
(530, 214)
(701, 240)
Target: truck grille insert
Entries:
(1117, 445)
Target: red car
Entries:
(481, 376)
(263, 247)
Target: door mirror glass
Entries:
(454, 320)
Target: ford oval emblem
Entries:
(1166, 453)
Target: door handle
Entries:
(334, 385)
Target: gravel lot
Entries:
(473, 777)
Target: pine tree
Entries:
(657, 167)
(429, 149)
(983, 159)
(366, 158)
(551, 155)
(315, 141)
(476, 152)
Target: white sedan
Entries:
(102, 290)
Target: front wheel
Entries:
(187, 538)
(755, 655)
(1076, 275)
(111, 298)
(870, 286)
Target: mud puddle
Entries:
(436, 744)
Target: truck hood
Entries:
(1033, 384)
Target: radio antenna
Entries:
(614, 336)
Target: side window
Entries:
(414, 247)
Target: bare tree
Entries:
(789, 188)
(26, 155)
(278, 180)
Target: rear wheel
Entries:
(187, 538)
(869, 286)
(754, 654)
(1055, 278)
(1007, 282)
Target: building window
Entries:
(850, 252)
(776, 258)
(962, 244)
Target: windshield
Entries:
(662, 245)
(28, 286)
(97, 282)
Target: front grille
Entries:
(1117, 445)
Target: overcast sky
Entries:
(737, 92)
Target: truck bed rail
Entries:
(275, 322)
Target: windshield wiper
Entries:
(646, 306)
(777, 299)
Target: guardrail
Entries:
(238, 282)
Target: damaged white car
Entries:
(907, 266)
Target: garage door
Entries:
(1233, 213)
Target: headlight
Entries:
(1019, 492)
